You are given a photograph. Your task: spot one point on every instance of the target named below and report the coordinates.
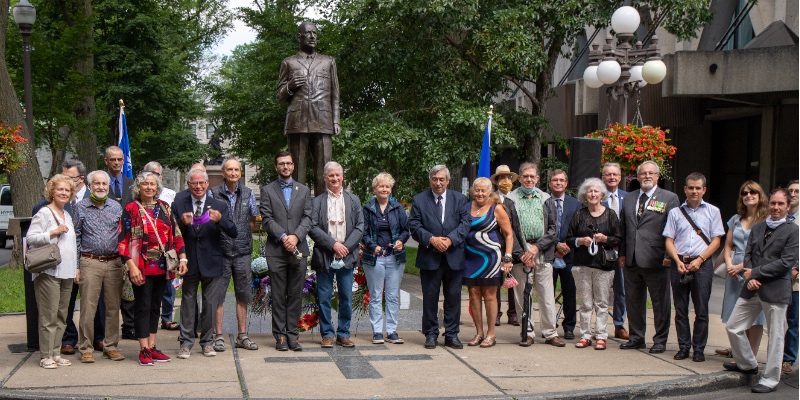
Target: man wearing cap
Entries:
(504, 179)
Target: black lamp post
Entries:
(25, 16)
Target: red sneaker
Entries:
(158, 356)
(145, 358)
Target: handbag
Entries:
(43, 258)
(510, 282)
(722, 269)
(170, 256)
(610, 256)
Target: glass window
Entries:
(210, 131)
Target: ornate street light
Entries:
(626, 68)
(25, 15)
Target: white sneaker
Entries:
(208, 351)
(184, 353)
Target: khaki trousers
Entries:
(95, 275)
(543, 283)
(52, 299)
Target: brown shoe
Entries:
(786, 368)
(527, 343)
(327, 342)
(67, 350)
(99, 346)
(512, 320)
(113, 355)
(344, 342)
(621, 333)
(555, 341)
(87, 358)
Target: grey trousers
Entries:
(52, 299)
(213, 295)
(744, 314)
(97, 275)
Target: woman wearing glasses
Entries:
(751, 207)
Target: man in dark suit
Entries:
(286, 217)
(121, 192)
(566, 207)
(337, 226)
(439, 222)
(202, 219)
(612, 176)
(646, 262)
(768, 260)
(309, 83)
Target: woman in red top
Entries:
(145, 222)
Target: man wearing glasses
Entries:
(537, 220)
(612, 176)
(286, 217)
(645, 259)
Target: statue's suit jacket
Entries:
(771, 262)
(313, 107)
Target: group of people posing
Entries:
(609, 253)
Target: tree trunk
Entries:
(27, 181)
(85, 140)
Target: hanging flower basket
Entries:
(11, 158)
(630, 145)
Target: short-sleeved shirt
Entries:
(687, 242)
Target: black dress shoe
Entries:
(657, 349)
(762, 389)
(129, 335)
(281, 345)
(453, 343)
(632, 345)
(569, 335)
(732, 366)
(681, 355)
(430, 343)
(698, 357)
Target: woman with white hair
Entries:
(593, 231)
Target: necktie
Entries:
(439, 207)
(560, 211)
(117, 189)
(614, 203)
(198, 208)
(642, 203)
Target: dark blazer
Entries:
(771, 262)
(277, 219)
(323, 242)
(314, 107)
(644, 235)
(621, 194)
(546, 243)
(511, 210)
(424, 223)
(571, 206)
(203, 246)
(127, 194)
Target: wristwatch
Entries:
(507, 258)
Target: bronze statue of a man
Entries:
(308, 82)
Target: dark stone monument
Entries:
(309, 84)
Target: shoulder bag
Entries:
(170, 256)
(43, 258)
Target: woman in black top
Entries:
(592, 231)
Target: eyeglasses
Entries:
(438, 179)
(648, 173)
(285, 164)
(115, 159)
(611, 174)
(158, 174)
(74, 178)
(528, 176)
(503, 177)
(198, 183)
(750, 192)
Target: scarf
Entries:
(98, 200)
(772, 224)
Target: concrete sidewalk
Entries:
(377, 371)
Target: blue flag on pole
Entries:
(484, 167)
(124, 143)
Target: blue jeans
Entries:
(384, 280)
(344, 283)
(619, 297)
(167, 302)
(790, 341)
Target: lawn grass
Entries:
(12, 290)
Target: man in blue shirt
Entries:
(692, 235)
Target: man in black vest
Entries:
(237, 250)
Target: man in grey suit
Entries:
(643, 254)
(286, 217)
(308, 82)
(337, 225)
(768, 260)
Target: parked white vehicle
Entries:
(6, 212)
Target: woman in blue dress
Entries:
(751, 207)
(489, 244)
